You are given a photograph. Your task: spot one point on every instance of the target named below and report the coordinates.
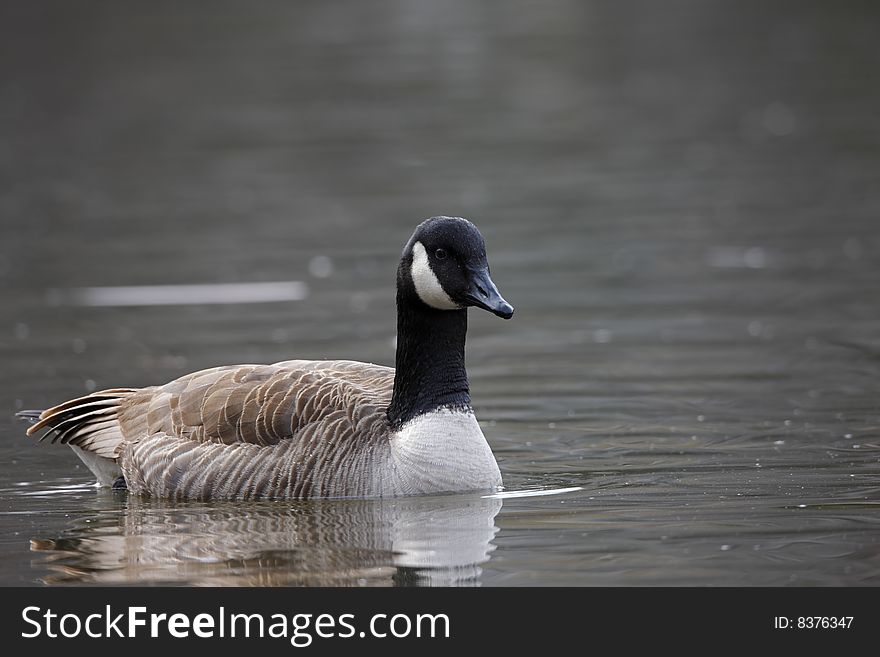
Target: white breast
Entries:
(441, 451)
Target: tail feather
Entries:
(66, 421)
(74, 408)
(77, 433)
(89, 422)
(101, 395)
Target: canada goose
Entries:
(301, 429)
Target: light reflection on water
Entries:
(181, 295)
(414, 541)
(682, 206)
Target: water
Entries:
(680, 199)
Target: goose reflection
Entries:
(423, 541)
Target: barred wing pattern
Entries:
(243, 432)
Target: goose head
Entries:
(444, 267)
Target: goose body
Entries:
(306, 429)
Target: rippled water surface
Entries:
(682, 200)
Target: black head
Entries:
(445, 263)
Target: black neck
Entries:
(430, 371)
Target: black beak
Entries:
(483, 294)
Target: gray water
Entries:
(681, 199)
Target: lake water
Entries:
(681, 199)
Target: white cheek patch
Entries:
(427, 286)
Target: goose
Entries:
(312, 429)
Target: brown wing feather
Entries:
(238, 432)
(256, 404)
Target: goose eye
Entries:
(440, 254)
